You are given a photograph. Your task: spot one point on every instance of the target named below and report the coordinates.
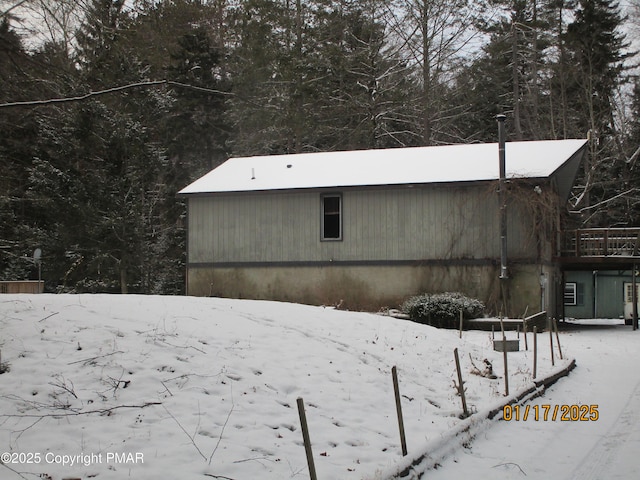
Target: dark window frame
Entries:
(331, 218)
(575, 294)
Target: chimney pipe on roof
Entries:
(502, 200)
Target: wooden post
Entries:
(535, 351)
(553, 362)
(555, 327)
(396, 389)
(524, 330)
(504, 356)
(307, 440)
(460, 323)
(460, 383)
(634, 294)
(506, 369)
(493, 332)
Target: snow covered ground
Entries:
(181, 387)
(607, 376)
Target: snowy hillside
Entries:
(179, 387)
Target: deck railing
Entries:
(601, 242)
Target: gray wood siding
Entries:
(386, 224)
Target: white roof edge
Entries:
(386, 167)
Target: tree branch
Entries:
(15, 471)
(221, 433)
(510, 463)
(76, 414)
(12, 8)
(193, 442)
(86, 360)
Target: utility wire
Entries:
(78, 98)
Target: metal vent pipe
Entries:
(502, 197)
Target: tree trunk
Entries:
(124, 289)
(426, 78)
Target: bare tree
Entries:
(49, 21)
(433, 35)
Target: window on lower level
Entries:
(331, 217)
(573, 294)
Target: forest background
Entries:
(109, 107)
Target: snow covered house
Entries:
(367, 229)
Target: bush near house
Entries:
(442, 310)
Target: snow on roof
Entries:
(396, 166)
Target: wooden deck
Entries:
(613, 246)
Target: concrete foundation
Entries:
(374, 287)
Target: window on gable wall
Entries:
(331, 217)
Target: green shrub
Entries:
(442, 309)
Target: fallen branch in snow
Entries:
(166, 388)
(101, 411)
(95, 358)
(62, 384)
(193, 442)
(221, 432)
(181, 346)
(192, 437)
(254, 459)
(14, 471)
(114, 384)
(218, 476)
(510, 463)
(48, 316)
(20, 432)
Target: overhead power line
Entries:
(78, 98)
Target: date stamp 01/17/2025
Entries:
(550, 413)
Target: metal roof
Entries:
(396, 166)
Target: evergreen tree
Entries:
(596, 46)
(512, 74)
(16, 150)
(260, 68)
(362, 88)
(623, 209)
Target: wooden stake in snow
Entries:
(396, 389)
(460, 323)
(553, 362)
(524, 331)
(504, 356)
(506, 368)
(535, 351)
(555, 327)
(307, 440)
(460, 383)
